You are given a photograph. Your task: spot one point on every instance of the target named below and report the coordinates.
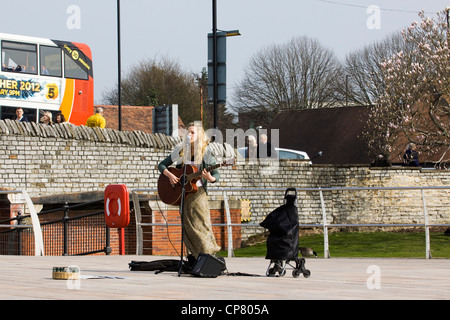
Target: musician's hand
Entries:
(172, 178)
(206, 175)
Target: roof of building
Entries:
(334, 131)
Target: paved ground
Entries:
(336, 278)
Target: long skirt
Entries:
(198, 234)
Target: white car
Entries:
(291, 154)
(283, 154)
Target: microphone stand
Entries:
(183, 194)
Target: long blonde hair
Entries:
(46, 114)
(200, 144)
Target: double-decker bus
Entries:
(40, 75)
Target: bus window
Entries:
(19, 57)
(51, 64)
(53, 112)
(10, 113)
(71, 68)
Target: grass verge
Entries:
(366, 245)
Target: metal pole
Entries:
(448, 17)
(229, 226)
(201, 103)
(137, 213)
(108, 240)
(65, 227)
(215, 80)
(19, 233)
(346, 90)
(119, 67)
(326, 250)
(427, 228)
(121, 241)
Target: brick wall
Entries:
(66, 159)
(165, 242)
(133, 117)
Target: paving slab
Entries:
(109, 278)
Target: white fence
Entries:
(324, 223)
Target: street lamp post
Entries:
(215, 61)
(215, 82)
(119, 67)
(448, 17)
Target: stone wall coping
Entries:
(68, 131)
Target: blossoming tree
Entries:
(415, 103)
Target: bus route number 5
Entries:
(52, 91)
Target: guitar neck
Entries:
(199, 173)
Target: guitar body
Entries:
(171, 194)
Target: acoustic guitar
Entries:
(171, 193)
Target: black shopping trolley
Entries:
(283, 240)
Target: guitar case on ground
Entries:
(205, 266)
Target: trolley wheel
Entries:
(296, 273)
(271, 272)
(277, 268)
(306, 273)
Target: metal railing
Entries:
(324, 225)
(76, 229)
(34, 226)
(68, 230)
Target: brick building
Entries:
(134, 118)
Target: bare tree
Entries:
(299, 74)
(363, 70)
(159, 82)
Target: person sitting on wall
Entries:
(383, 159)
(411, 157)
(96, 120)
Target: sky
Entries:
(177, 29)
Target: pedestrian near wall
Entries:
(96, 120)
